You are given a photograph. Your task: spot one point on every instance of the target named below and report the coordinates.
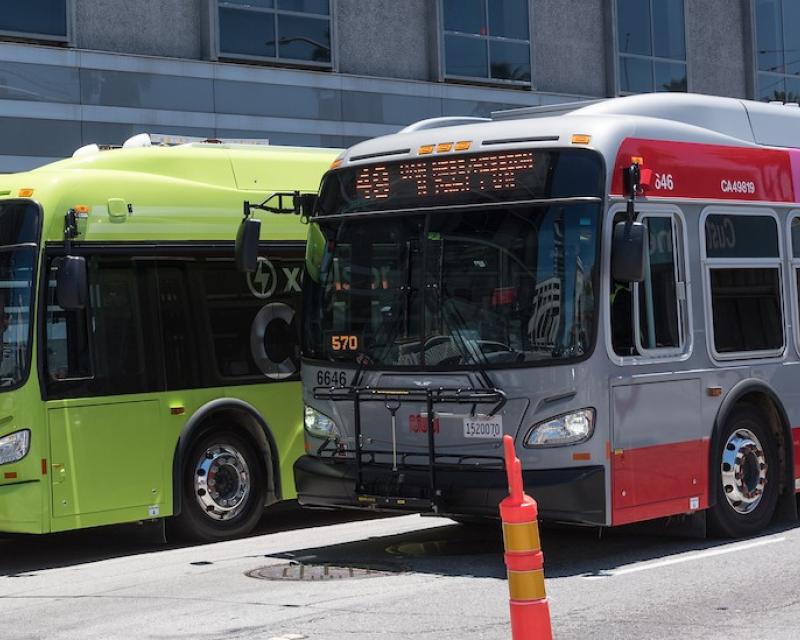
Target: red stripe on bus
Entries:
(712, 172)
(794, 157)
(659, 481)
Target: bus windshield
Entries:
(19, 228)
(456, 261)
(495, 284)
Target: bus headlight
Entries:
(318, 424)
(568, 428)
(14, 446)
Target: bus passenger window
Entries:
(659, 326)
(251, 330)
(649, 317)
(182, 366)
(621, 312)
(746, 304)
(67, 339)
(122, 326)
(622, 319)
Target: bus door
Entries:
(107, 437)
(659, 453)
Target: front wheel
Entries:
(747, 490)
(223, 489)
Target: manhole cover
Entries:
(317, 572)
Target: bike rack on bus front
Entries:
(431, 397)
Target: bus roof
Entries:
(187, 192)
(660, 116)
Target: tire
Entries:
(223, 489)
(749, 473)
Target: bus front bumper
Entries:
(574, 494)
(21, 507)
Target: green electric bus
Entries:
(170, 386)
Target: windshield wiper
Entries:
(469, 348)
(472, 351)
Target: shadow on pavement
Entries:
(467, 550)
(462, 550)
(23, 554)
(477, 550)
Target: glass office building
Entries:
(333, 72)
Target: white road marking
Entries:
(699, 555)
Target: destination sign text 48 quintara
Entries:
(514, 176)
(452, 175)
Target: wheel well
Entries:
(766, 403)
(240, 419)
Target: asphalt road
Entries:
(412, 578)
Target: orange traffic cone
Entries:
(530, 612)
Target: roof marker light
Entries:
(425, 149)
(463, 145)
(443, 147)
(581, 138)
(637, 160)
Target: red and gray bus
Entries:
(614, 284)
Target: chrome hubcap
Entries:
(744, 471)
(222, 482)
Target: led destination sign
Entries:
(513, 176)
(451, 175)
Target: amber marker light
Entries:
(177, 411)
(425, 149)
(582, 456)
(463, 145)
(637, 160)
(336, 163)
(443, 147)
(581, 138)
(25, 193)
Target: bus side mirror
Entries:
(71, 283)
(305, 204)
(246, 250)
(629, 252)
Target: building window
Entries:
(778, 45)
(293, 31)
(35, 20)
(652, 46)
(487, 40)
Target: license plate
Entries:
(489, 428)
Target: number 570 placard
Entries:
(343, 342)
